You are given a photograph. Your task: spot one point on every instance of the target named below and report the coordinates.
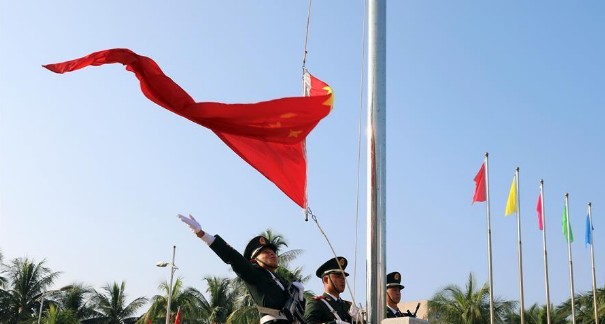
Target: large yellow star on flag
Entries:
(330, 101)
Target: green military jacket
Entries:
(318, 312)
(262, 287)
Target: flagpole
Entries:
(594, 279)
(520, 253)
(376, 163)
(545, 253)
(489, 244)
(573, 302)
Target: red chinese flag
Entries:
(480, 185)
(269, 135)
(539, 210)
(177, 320)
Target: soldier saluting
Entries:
(257, 269)
(329, 308)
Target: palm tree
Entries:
(189, 300)
(584, 307)
(4, 295)
(536, 314)
(77, 300)
(2, 279)
(26, 280)
(111, 306)
(55, 316)
(455, 305)
(221, 302)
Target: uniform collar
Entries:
(330, 295)
(393, 310)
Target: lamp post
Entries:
(48, 293)
(173, 268)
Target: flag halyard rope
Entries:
(314, 217)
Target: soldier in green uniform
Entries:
(257, 269)
(329, 308)
(394, 288)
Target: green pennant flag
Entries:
(565, 226)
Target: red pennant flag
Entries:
(269, 135)
(149, 320)
(177, 320)
(480, 195)
(539, 210)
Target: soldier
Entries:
(394, 288)
(257, 269)
(329, 308)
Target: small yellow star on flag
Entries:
(294, 133)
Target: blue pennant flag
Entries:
(588, 232)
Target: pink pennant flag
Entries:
(539, 210)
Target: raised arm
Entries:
(242, 267)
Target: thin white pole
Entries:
(520, 253)
(545, 253)
(40, 313)
(172, 268)
(573, 301)
(376, 163)
(489, 244)
(594, 278)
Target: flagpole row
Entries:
(569, 237)
(545, 253)
(489, 243)
(520, 253)
(594, 278)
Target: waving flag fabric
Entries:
(589, 230)
(480, 194)
(177, 320)
(564, 223)
(511, 204)
(539, 210)
(269, 135)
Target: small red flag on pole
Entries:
(480, 195)
(177, 320)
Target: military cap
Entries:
(256, 245)
(394, 280)
(331, 266)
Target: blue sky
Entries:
(92, 173)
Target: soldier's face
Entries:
(339, 281)
(395, 294)
(267, 256)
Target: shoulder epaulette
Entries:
(319, 297)
(348, 302)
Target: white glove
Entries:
(301, 290)
(191, 222)
(353, 311)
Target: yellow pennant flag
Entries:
(511, 204)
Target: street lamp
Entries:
(173, 268)
(48, 293)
